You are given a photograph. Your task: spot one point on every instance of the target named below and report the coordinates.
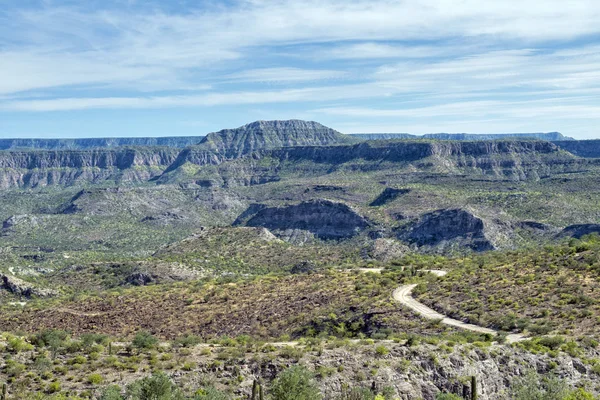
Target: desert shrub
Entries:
(188, 341)
(552, 342)
(111, 393)
(51, 338)
(53, 387)
(295, 383)
(210, 393)
(95, 379)
(155, 387)
(358, 393)
(144, 340)
(381, 350)
(17, 345)
(535, 387)
(13, 368)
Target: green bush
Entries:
(95, 379)
(211, 393)
(155, 387)
(111, 393)
(144, 340)
(381, 350)
(295, 383)
(53, 387)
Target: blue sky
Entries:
(182, 67)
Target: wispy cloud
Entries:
(281, 75)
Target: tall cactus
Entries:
(4, 390)
(254, 390)
(473, 387)
(261, 395)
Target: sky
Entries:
(101, 68)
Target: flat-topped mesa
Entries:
(265, 135)
(549, 136)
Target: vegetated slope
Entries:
(551, 289)
(259, 135)
(252, 250)
(306, 304)
(229, 366)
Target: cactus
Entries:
(4, 390)
(110, 348)
(260, 392)
(254, 390)
(473, 387)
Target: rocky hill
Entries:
(260, 135)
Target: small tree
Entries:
(295, 383)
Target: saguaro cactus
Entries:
(473, 387)
(261, 395)
(4, 391)
(255, 390)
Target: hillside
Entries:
(550, 290)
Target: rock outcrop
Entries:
(21, 288)
(388, 195)
(322, 218)
(447, 228)
(577, 231)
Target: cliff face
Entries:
(234, 143)
(68, 167)
(517, 159)
(446, 228)
(581, 148)
(323, 218)
(97, 143)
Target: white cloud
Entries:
(160, 51)
(275, 75)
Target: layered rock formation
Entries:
(577, 231)
(447, 228)
(322, 218)
(260, 135)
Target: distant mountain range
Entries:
(549, 136)
(259, 134)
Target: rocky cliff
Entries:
(69, 167)
(322, 218)
(516, 159)
(581, 148)
(97, 143)
(447, 228)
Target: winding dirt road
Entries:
(403, 296)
